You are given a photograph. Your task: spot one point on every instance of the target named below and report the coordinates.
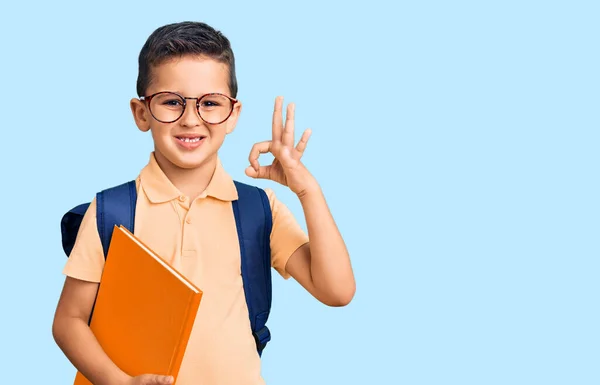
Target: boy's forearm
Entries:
(330, 266)
(80, 346)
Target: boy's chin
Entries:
(191, 161)
(185, 160)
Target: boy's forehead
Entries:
(191, 76)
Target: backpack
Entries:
(252, 212)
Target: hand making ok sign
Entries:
(286, 167)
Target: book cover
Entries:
(144, 310)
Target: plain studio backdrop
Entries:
(456, 143)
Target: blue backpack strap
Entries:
(69, 226)
(115, 206)
(253, 218)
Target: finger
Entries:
(155, 379)
(162, 380)
(277, 119)
(257, 149)
(263, 172)
(286, 157)
(301, 146)
(288, 132)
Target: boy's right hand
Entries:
(150, 379)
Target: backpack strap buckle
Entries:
(262, 337)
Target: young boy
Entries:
(187, 100)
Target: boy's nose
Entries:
(190, 116)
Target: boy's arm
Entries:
(74, 337)
(322, 266)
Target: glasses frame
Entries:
(149, 98)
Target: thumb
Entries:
(155, 379)
(262, 173)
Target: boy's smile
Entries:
(189, 141)
(185, 96)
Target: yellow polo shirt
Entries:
(199, 238)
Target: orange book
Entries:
(144, 310)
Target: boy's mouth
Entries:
(189, 140)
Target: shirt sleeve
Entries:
(86, 260)
(286, 235)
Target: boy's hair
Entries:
(181, 39)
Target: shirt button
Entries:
(181, 198)
(188, 220)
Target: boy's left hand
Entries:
(286, 168)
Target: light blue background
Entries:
(456, 143)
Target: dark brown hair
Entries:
(181, 39)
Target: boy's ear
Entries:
(140, 115)
(235, 114)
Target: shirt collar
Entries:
(158, 188)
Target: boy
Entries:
(187, 100)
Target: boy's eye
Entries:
(172, 103)
(209, 103)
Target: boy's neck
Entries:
(190, 182)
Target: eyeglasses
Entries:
(168, 107)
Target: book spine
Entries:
(184, 335)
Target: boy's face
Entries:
(188, 142)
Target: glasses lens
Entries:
(215, 108)
(166, 107)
